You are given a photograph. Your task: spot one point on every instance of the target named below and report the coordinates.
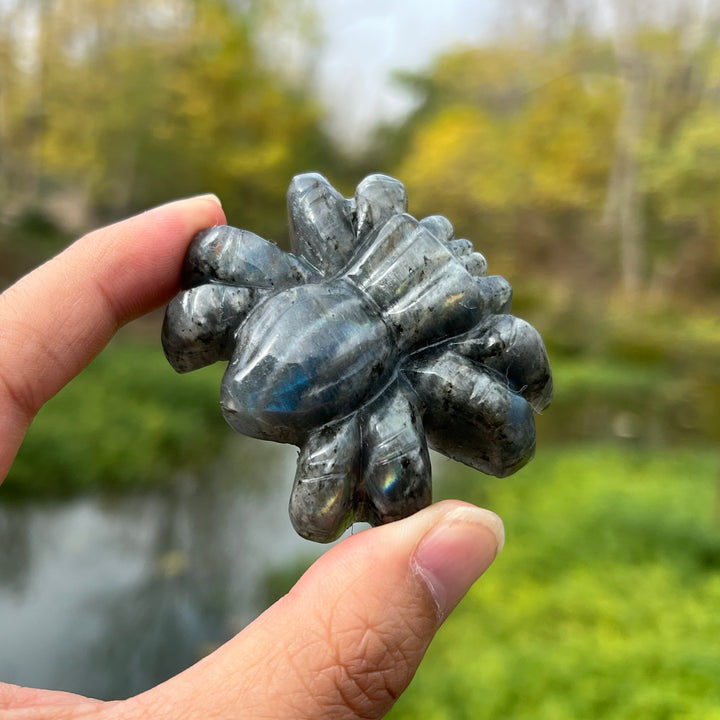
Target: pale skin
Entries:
(348, 638)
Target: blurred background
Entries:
(576, 143)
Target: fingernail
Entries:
(209, 196)
(455, 553)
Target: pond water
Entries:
(109, 596)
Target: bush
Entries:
(127, 421)
(603, 603)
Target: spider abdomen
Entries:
(304, 357)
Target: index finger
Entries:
(56, 319)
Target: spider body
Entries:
(377, 335)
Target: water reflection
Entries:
(109, 597)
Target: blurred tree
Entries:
(138, 102)
(680, 178)
(19, 118)
(590, 151)
(514, 142)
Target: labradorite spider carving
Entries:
(378, 336)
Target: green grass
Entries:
(604, 602)
(127, 421)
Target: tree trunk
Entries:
(624, 201)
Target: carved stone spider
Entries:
(378, 336)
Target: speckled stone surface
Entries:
(378, 336)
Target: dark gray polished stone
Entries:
(377, 337)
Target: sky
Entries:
(365, 40)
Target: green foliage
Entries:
(593, 161)
(32, 236)
(279, 580)
(683, 186)
(128, 421)
(603, 602)
(514, 145)
(139, 103)
(649, 375)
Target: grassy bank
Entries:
(128, 421)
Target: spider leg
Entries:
(496, 293)
(200, 323)
(440, 227)
(377, 199)
(396, 463)
(320, 228)
(328, 471)
(238, 257)
(462, 249)
(470, 414)
(326, 228)
(227, 271)
(514, 349)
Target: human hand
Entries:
(347, 639)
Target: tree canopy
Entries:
(133, 103)
(591, 155)
(583, 153)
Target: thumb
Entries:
(347, 640)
